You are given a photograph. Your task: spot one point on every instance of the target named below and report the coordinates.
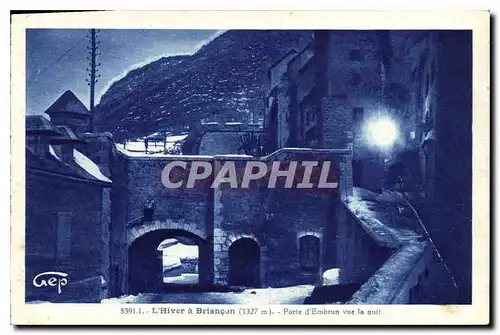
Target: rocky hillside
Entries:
(223, 81)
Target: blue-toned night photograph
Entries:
(299, 167)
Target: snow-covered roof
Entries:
(89, 166)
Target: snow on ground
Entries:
(184, 278)
(139, 146)
(331, 277)
(171, 262)
(88, 165)
(180, 250)
(282, 295)
(176, 138)
(125, 299)
(259, 296)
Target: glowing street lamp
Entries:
(382, 132)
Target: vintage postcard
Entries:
(250, 168)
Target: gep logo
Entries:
(53, 279)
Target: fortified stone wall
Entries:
(137, 180)
(144, 184)
(275, 219)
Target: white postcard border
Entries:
(110, 314)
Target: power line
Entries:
(35, 77)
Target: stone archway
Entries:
(244, 263)
(149, 226)
(145, 261)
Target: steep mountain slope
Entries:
(223, 81)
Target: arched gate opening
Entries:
(154, 265)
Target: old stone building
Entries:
(323, 95)
(67, 214)
(438, 140)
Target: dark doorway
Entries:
(357, 173)
(309, 254)
(244, 263)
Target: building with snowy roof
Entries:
(67, 212)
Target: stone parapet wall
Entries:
(394, 281)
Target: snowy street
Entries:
(261, 296)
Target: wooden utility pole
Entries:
(93, 72)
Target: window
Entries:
(357, 113)
(64, 234)
(354, 54)
(309, 253)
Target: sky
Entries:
(56, 58)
